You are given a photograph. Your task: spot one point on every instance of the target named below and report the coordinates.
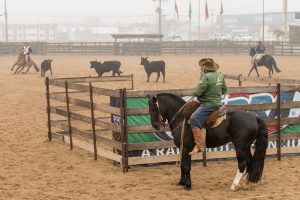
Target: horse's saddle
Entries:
(259, 57)
(216, 118)
(212, 121)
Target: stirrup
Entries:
(196, 149)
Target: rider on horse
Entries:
(27, 51)
(209, 93)
(260, 50)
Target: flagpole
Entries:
(199, 16)
(5, 14)
(221, 18)
(174, 19)
(159, 20)
(263, 22)
(190, 17)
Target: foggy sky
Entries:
(37, 11)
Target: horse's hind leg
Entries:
(28, 67)
(242, 163)
(164, 74)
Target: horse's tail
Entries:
(275, 65)
(261, 143)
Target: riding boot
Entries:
(200, 140)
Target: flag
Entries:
(221, 9)
(190, 11)
(206, 12)
(176, 10)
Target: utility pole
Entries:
(5, 15)
(159, 17)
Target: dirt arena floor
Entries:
(32, 168)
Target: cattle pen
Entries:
(81, 112)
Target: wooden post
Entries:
(48, 108)
(69, 117)
(93, 120)
(122, 122)
(125, 127)
(278, 123)
(282, 48)
(131, 76)
(240, 80)
(204, 157)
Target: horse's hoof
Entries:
(234, 187)
(187, 187)
(181, 183)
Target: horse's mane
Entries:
(173, 96)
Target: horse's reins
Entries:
(163, 123)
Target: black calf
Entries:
(154, 66)
(45, 66)
(106, 66)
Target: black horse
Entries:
(240, 127)
(154, 66)
(267, 60)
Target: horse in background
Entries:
(266, 60)
(240, 127)
(21, 63)
(154, 66)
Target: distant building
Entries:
(251, 24)
(51, 32)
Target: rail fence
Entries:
(151, 48)
(79, 112)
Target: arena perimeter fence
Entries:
(151, 47)
(83, 117)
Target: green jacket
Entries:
(210, 89)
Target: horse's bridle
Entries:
(161, 119)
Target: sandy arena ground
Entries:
(32, 168)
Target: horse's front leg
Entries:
(185, 179)
(13, 67)
(20, 68)
(256, 70)
(251, 70)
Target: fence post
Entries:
(282, 48)
(204, 157)
(48, 109)
(69, 115)
(240, 80)
(278, 123)
(291, 49)
(123, 131)
(131, 76)
(93, 120)
(125, 127)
